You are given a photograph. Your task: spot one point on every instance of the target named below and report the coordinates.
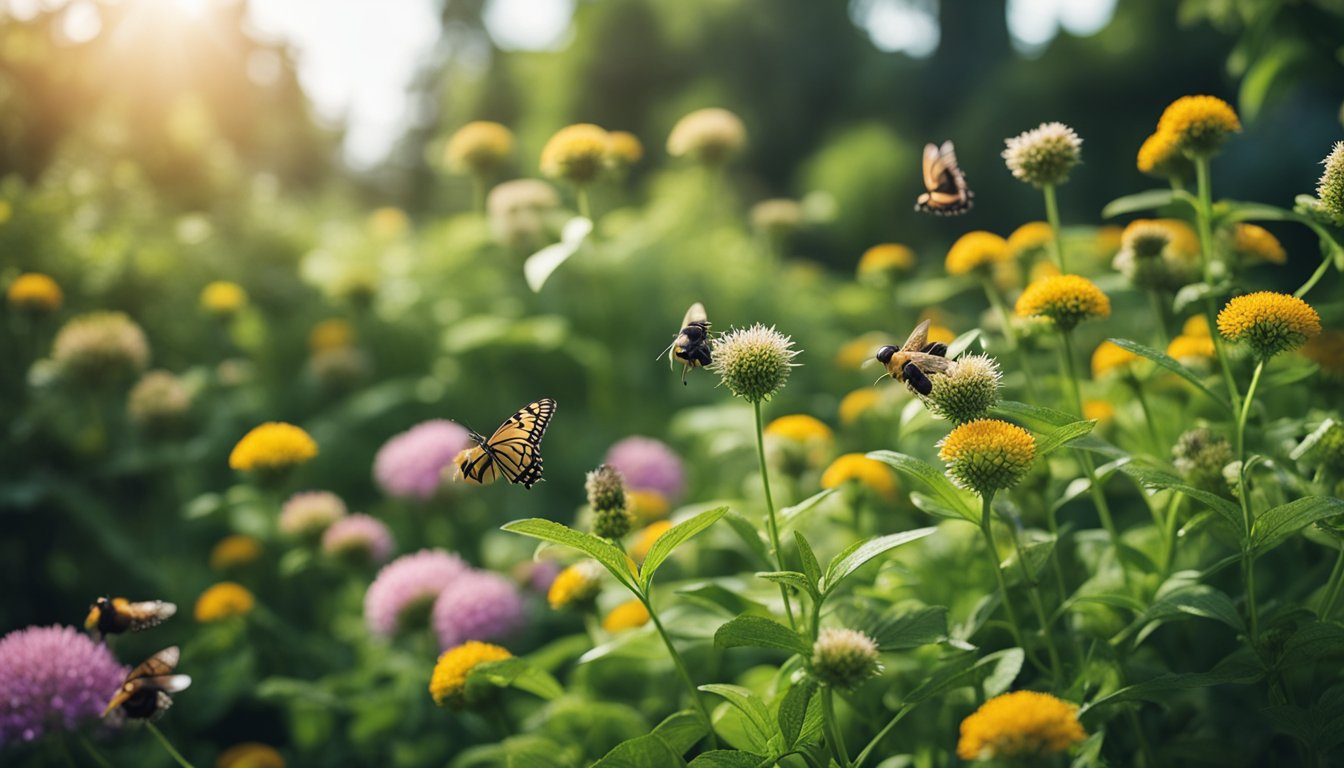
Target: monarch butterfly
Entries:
(145, 694)
(514, 450)
(917, 358)
(112, 616)
(691, 345)
(947, 193)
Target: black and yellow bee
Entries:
(947, 193)
(913, 362)
(112, 616)
(691, 345)
(148, 690)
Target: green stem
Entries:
(900, 714)
(1169, 546)
(478, 193)
(1034, 597)
(167, 745)
(987, 531)
(685, 674)
(1137, 387)
(1162, 314)
(1052, 215)
(1204, 220)
(92, 752)
(1315, 276)
(1244, 495)
(834, 740)
(584, 210)
(1332, 590)
(1072, 390)
(1000, 307)
(771, 524)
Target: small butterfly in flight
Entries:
(947, 193)
(514, 450)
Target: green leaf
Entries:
(673, 538)
(292, 689)
(1064, 435)
(855, 555)
(1152, 477)
(717, 597)
(947, 494)
(1317, 640)
(1276, 525)
(600, 550)
(793, 710)
(515, 672)
(539, 266)
(1241, 668)
(1041, 419)
(967, 670)
(759, 632)
(751, 535)
(811, 568)
(1198, 600)
(727, 758)
(792, 579)
(681, 730)
(646, 751)
(1171, 364)
(1140, 201)
(788, 516)
(760, 726)
(527, 751)
(906, 630)
(962, 343)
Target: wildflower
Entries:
(448, 684)
(1255, 243)
(234, 551)
(707, 136)
(646, 506)
(576, 153)
(844, 658)
(56, 680)
(1268, 322)
(644, 540)
(159, 401)
(1200, 455)
(1044, 155)
(1030, 238)
(799, 427)
(855, 404)
(1191, 351)
(885, 261)
(577, 585)
(250, 754)
(854, 353)
(1330, 189)
(1198, 125)
(223, 601)
(388, 222)
(1109, 358)
(1197, 325)
(968, 389)
(479, 148)
(478, 605)
(754, 363)
(360, 538)
(339, 367)
(330, 334)
(1022, 725)
(410, 465)
(521, 212)
(34, 293)
(869, 473)
(310, 513)
(402, 593)
(100, 346)
(631, 614)
(1100, 411)
(606, 495)
(223, 298)
(1158, 253)
(1160, 156)
(1327, 351)
(623, 150)
(987, 455)
(777, 217)
(272, 447)
(647, 464)
(977, 250)
(1066, 299)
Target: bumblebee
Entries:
(146, 694)
(691, 345)
(112, 616)
(916, 360)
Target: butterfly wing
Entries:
(948, 194)
(929, 166)
(477, 465)
(515, 448)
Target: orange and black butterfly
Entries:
(947, 193)
(147, 691)
(514, 450)
(112, 616)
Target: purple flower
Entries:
(403, 591)
(648, 465)
(358, 536)
(53, 679)
(410, 465)
(478, 605)
(310, 512)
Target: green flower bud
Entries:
(754, 362)
(967, 391)
(844, 658)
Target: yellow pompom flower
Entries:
(1101, 411)
(1269, 322)
(576, 153)
(708, 136)
(478, 147)
(855, 404)
(224, 600)
(1197, 325)
(1112, 358)
(1191, 350)
(35, 293)
(577, 584)
(1020, 726)
(1029, 238)
(987, 455)
(1065, 299)
(334, 333)
(251, 754)
(448, 683)
(647, 505)
(272, 446)
(223, 297)
(1160, 156)
(234, 551)
(1327, 351)
(798, 427)
(623, 150)
(646, 537)
(628, 615)
(870, 473)
(883, 261)
(1257, 243)
(976, 250)
(1198, 125)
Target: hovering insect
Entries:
(912, 363)
(947, 193)
(691, 345)
(112, 616)
(514, 450)
(146, 692)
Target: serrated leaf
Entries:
(727, 758)
(760, 725)
(1153, 477)
(1064, 435)
(811, 568)
(789, 516)
(1315, 641)
(1198, 600)
(1171, 364)
(970, 671)
(601, 550)
(1241, 668)
(1277, 525)
(943, 490)
(910, 629)
(759, 632)
(793, 710)
(855, 555)
(1147, 200)
(673, 538)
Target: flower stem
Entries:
(1204, 219)
(834, 740)
(92, 752)
(770, 521)
(1034, 597)
(167, 745)
(1315, 277)
(584, 209)
(1244, 495)
(1332, 588)
(1052, 215)
(987, 530)
(896, 718)
(1000, 307)
(685, 674)
(1137, 387)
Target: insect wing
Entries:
(696, 314)
(918, 337)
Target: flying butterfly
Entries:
(514, 450)
(947, 193)
(147, 691)
(916, 360)
(112, 616)
(691, 345)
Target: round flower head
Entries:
(606, 495)
(250, 754)
(799, 427)
(223, 297)
(410, 465)
(754, 362)
(977, 250)
(100, 346)
(1160, 156)
(647, 464)
(623, 150)
(1200, 455)
(478, 148)
(1268, 322)
(628, 615)
(448, 684)
(1330, 189)
(869, 473)
(56, 679)
(1022, 725)
(576, 153)
(844, 658)
(1100, 411)
(1255, 243)
(34, 293)
(987, 455)
(223, 601)
(967, 391)
(1197, 325)
(310, 513)
(234, 552)
(577, 585)
(159, 401)
(360, 538)
(333, 333)
(1327, 351)
(1109, 358)
(884, 261)
(522, 213)
(404, 590)
(777, 217)
(646, 506)
(1198, 125)
(854, 405)
(478, 605)
(1030, 238)
(646, 538)
(1191, 351)
(1065, 299)
(272, 447)
(707, 136)
(1044, 155)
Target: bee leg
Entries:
(935, 348)
(684, 369)
(917, 380)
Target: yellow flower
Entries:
(233, 551)
(1269, 322)
(1256, 242)
(1109, 358)
(274, 445)
(885, 259)
(448, 683)
(870, 473)
(34, 292)
(941, 333)
(334, 333)
(1327, 351)
(1198, 125)
(798, 427)
(250, 754)
(853, 354)
(1190, 349)
(1197, 325)
(647, 505)
(1160, 155)
(579, 583)
(975, 250)
(1020, 725)
(987, 455)
(708, 136)
(1101, 411)
(388, 222)
(1184, 243)
(223, 297)
(478, 147)
(1043, 269)
(575, 153)
(857, 403)
(628, 615)
(1030, 237)
(224, 600)
(645, 539)
(1065, 299)
(623, 149)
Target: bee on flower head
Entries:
(112, 616)
(146, 694)
(691, 345)
(913, 362)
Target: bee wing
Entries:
(930, 363)
(149, 613)
(171, 683)
(158, 665)
(919, 336)
(123, 693)
(696, 314)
